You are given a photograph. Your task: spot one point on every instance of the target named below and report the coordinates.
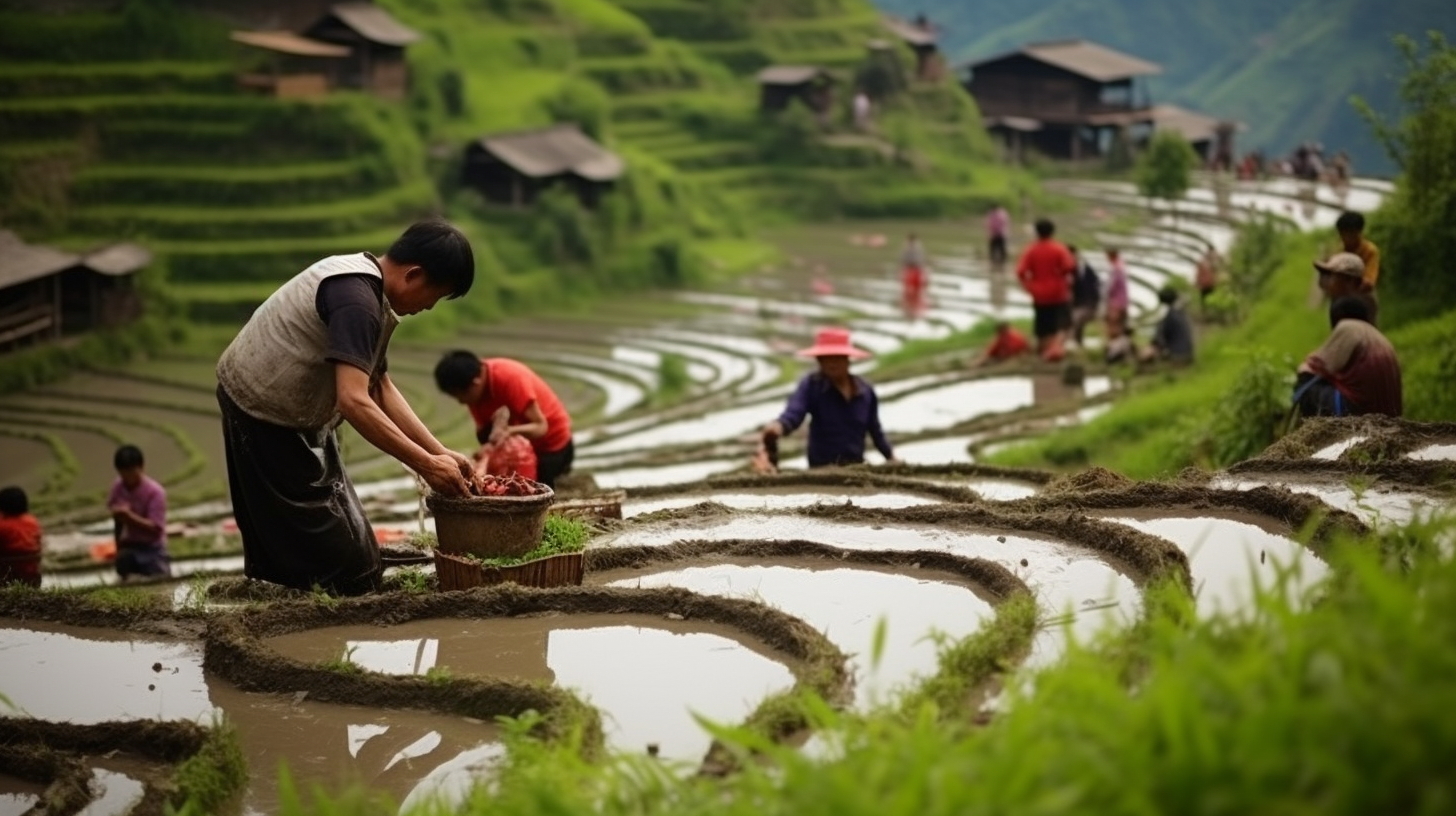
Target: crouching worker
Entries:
(138, 503)
(19, 539)
(313, 356)
(487, 385)
(1354, 372)
(843, 407)
(1007, 344)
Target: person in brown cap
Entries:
(1343, 275)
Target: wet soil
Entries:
(847, 604)
(1382, 449)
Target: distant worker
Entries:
(1355, 371)
(139, 506)
(1086, 295)
(1343, 275)
(1205, 276)
(913, 276)
(843, 407)
(1173, 338)
(487, 384)
(1117, 290)
(998, 225)
(20, 539)
(314, 355)
(1045, 270)
(1351, 229)
(1119, 347)
(1007, 344)
(862, 110)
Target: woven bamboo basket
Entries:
(490, 526)
(456, 572)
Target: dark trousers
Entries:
(997, 246)
(1315, 396)
(552, 466)
(301, 521)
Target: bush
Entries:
(1246, 419)
(1414, 229)
(1427, 351)
(583, 102)
(1165, 170)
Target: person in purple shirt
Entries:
(139, 506)
(844, 407)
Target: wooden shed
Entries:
(297, 67)
(1212, 138)
(513, 168)
(780, 85)
(1076, 91)
(376, 40)
(48, 293)
(921, 37)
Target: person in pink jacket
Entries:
(1117, 300)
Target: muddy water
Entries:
(18, 795)
(1001, 489)
(1435, 452)
(1230, 556)
(27, 463)
(114, 793)
(408, 755)
(780, 499)
(944, 450)
(51, 672)
(1332, 452)
(667, 474)
(950, 405)
(648, 675)
(1378, 504)
(847, 605)
(1065, 577)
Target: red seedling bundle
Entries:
(515, 485)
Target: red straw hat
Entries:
(833, 343)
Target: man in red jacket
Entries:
(1046, 270)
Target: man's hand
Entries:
(773, 430)
(467, 467)
(121, 509)
(444, 474)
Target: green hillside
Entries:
(130, 125)
(1286, 68)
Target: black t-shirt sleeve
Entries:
(349, 307)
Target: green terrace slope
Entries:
(130, 125)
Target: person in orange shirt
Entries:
(485, 385)
(19, 539)
(1351, 227)
(1007, 343)
(1046, 270)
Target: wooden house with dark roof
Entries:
(513, 168)
(376, 41)
(1063, 97)
(296, 67)
(780, 85)
(46, 293)
(920, 36)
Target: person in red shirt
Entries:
(19, 539)
(1007, 343)
(487, 384)
(1046, 270)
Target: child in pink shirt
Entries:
(139, 506)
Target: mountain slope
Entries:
(1284, 67)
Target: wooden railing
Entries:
(22, 324)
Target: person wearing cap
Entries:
(1351, 228)
(1173, 337)
(843, 407)
(313, 356)
(1355, 371)
(1343, 275)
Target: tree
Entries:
(1164, 171)
(1414, 228)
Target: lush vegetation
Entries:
(1283, 67)
(562, 536)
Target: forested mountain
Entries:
(1286, 68)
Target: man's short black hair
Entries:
(1350, 221)
(441, 250)
(456, 371)
(14, 502)
(1168, 295)
(128, 457)
(1351, 307)
(1045, 228)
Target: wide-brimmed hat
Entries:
(1342, 263)
(833, 343)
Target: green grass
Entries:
(562, 536)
